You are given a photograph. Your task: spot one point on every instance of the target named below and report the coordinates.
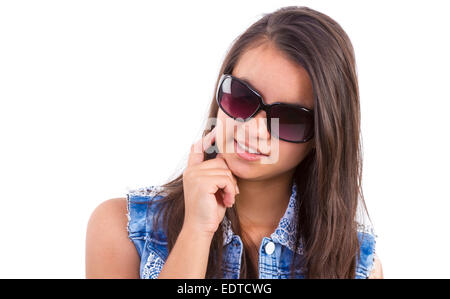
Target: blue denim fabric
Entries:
(275, 253)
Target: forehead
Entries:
(275, 77)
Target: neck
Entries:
(261, 204)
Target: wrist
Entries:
(192, 230)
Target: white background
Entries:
(97, 97)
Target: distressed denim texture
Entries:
(274, 259)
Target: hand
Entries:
(209, 188)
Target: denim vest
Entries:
(275, 253)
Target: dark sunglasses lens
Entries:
(236, 99)
(294, 124)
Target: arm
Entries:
(205, 208)
(109, 251)
(377, 270)
(189, 256)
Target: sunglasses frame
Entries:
(261, 105)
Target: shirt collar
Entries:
(285, 233)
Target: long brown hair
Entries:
(329, 177)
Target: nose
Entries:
(254, 131)
(261, 125)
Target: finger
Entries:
(219, 197)
(215, 163)
(220, 171)
(232, 175)
(196, 154)
(224, 163)
(226, 184)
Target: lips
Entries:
(248, 149)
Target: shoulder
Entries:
(377, 270)
(142, 206)
(367, 262)
(109, 215)
(101, 216)
(149, 194)
(146, 228)
(109, 253)
(114, 205)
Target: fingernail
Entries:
(237, 189)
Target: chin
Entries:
(245, 170)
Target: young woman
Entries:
(229, 215)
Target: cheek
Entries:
(222, 117)
(225, 132)
(291, 154)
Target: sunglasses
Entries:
(241, 102)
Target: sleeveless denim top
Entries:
(275, 252)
